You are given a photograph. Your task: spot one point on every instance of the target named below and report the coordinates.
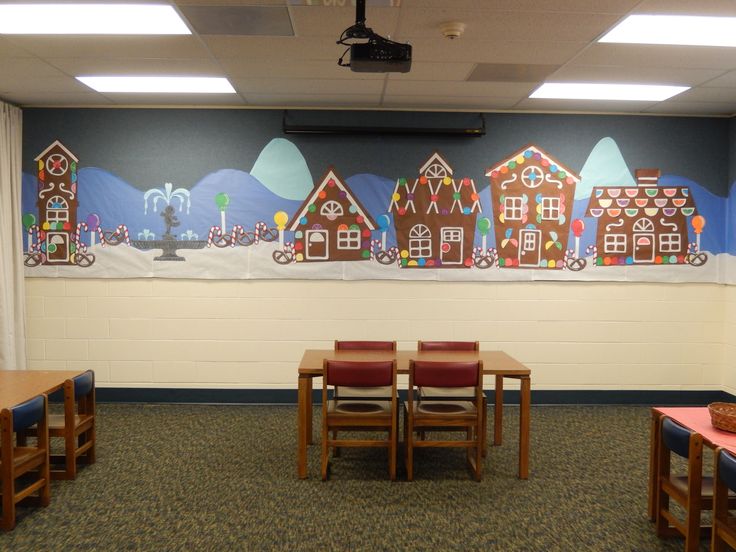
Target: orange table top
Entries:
(697, 418)
(494, 362)
(17, 386)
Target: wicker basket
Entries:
(723, 416)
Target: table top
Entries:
(17, 386)
(494, 362)
(697, 418)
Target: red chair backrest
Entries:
(448, 345)
(354, 373)
(445, 374)
(365, 345)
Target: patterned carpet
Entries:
(201, 477)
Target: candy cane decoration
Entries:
(238, 231)
(569, 254)
(289, 250)
(33, 246)
(594, 250)
(122, 229)
(375, 243)
(81, 248)
(210, 237)
(260, 227)
(492, 252)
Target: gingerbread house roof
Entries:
(635, 201)
(311, 198)
(54, 144)
(532, 151)
(436, 158)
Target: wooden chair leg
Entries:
(335, 450)
(325, 451)
(7, 521)
(409, 443)
(484, 430)
(392, 452)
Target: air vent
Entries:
(239, 20)
(511, 72)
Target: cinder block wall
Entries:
(250, 334)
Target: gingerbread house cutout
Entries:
(57, 203)
(642, 224)
(532, 195)
(331, 224)
(435, 217)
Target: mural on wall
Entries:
(537, 219)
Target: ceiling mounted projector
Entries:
(377, 54)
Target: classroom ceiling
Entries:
(508, 48)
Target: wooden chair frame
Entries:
(448, 346)
(724, 524)
(415, 421)
(334, 421)
(692, 499)
(17, 460)
(76, 426)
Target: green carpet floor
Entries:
(199, 477)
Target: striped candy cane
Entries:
(238, 231)
(81, 247)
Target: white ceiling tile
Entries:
(176, 99)
(18, 68)
(9, 49)
(308, 86)
(36, 98)
(589, 106)
(425, 71)
(448, 102)
(464, 50)
(678, 7)
(113, 46)
(708, 94)
(541, 26)
(654, 55)
(633, 75)
(49, 85)
(581, 6)
(274, 49)
(332, 21)
(305, 100)
(137, 66)
(460, 89)
(727, 79)
(246, 67)
(725, 109)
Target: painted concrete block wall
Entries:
(250, 334)
(729, 347)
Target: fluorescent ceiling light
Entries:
(164, 85)
(674, 29)
(90, 19)
(600, 91)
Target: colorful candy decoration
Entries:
(222, 200)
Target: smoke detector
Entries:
(452, 29)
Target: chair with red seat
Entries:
(17, 460)
(362, 413)
(724, 523)
(445, 391)
(453, 412)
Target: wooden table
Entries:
(496, 363)
(696, 418)
(17, 386)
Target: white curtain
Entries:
(12, 294)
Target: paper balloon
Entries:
(93, 222)
(578, 226)
(384, 221)
(484, 225)
(222, 200)
(698, 223)
(28, 220)
(280, 218)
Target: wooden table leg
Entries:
(310, 412)
(498, 412)
(304, 415)
(524, 419)
(653, 455)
